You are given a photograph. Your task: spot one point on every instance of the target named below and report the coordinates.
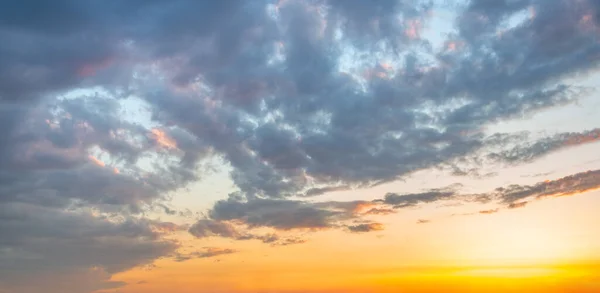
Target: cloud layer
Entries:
(299, 98)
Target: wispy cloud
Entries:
(362, 228)
(207, 252)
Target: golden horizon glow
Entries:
(461, 254)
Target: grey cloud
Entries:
(291, 241)
(362, 228)
(46, 239)
(316, 191)
(510, 197)
(207, 252)
(413, 199)
(205, 228)
(289, 214)
(329, 146)
(510, 149)
(516, 205)
(228, 79)
(278, 214)
(212, 252)
(380, 211)
(379, 141)
(488, 212)
(569, 185)
(528, 152)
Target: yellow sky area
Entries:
(551, 245)
(197, 277)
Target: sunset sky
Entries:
(299, 146)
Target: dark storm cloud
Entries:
(259, 84)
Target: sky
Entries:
(299, 146)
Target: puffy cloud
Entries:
(356, 133)
(250, 110)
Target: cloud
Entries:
(413, 199)
(516, 205)
(207, 252)
(205, 228)
(489, 212)
(213, 251)
(278, 214)
(44, 239)
(291, 241)
(362, 228)
(276, 91)
(316, 191)
(285, 215)
(284, 155)
(380, 211)
(423, 221)
(569, 185)
(511, 197)
(527, 152)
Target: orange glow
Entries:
(577, 139)
(532, 13)
(91, 69)
(96, 161)
(412, 30)
(453, 45)
(387, 66)
(363, 207)
(163, 139)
